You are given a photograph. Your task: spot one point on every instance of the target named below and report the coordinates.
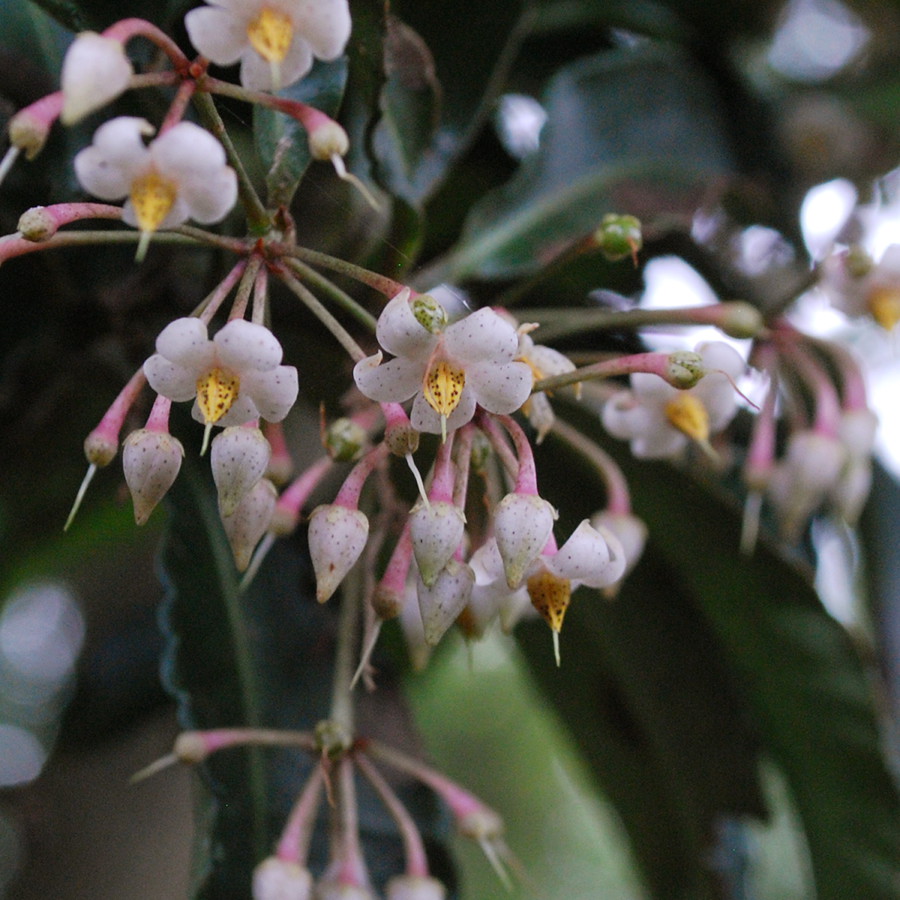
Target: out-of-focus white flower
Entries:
(660, 420)
(544, 362)
(95, 71)
(274, 40)
(415, 887)
(858, 286)
(449, 369)
(628, 528)
(281, 879)
(180, 175)
(235, 377)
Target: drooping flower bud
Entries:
(344, 440)
(250, 521)
(238, 458)
(337, 537)
(415, 887)
(281, 879)
(441, 603)
(522, 525)
(151, 461)
(94, 72)
(619, 236)
(437, 530)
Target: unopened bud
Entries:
(151, 461)
(436, 529)
(344, 440)
(99, 449)
(415, 887)
(190, 747)
(443, 601)
(281, 879)
(328, 140)
(619, 236)
(522, 525)
(36, 224)
(740, 319)
(337, 537)
(28, 133)
(685, 368)
(95, 71)
(239, 457)
(250, 521)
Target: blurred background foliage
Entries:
(714, 732)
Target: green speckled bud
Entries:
(685, 369)
(345, 440)
(429, 313)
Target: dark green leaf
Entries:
(632, 131)
(282, 142)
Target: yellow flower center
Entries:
(443, 387)
(689, 415)
(884, 304)
(270, 34)
(550, 595)
(152, 197)
(216, 392)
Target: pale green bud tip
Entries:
(328, 140)
(345, 440)
(619, 236)
(402, 440)
(190, 747)
(99, 450)
(741, 319)
(36, 224)
(685, 368)
(28, 133)
(429, 313)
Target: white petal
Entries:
(500, 389)
(219, 34)
(281, 879)
(185, 342)
(169, 379)
(257, 74)
(719, 355)
(273, 393)
(94, 72)
(390, 382)
(663, 443)
(482, 336)
(594, 558)
(241, 411)
(424, 418)
(549, 361)
(209, 199)
(107, 168)
(651, 390)
(244, 345)
(325, 24)
(400, 333)
(185, 151)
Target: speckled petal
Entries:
(390, 382)
(424, 418)
(273, 392)
(482, 336)
(245, 345)
(170, 379)
(400, 333)
(185, 341)
(500, 389)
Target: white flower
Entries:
(275, 40)
(857, 286)
(95, 71)
(544, 362)
(235, 377)
(449, 369)
(659, 419)
(181, 175)
(281, 879)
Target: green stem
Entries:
(381, 283)
(339, 297)
(342, 711)
(258, 219)
(340, 333)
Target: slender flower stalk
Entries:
(293, 845)
(331, 291)
(42, 222)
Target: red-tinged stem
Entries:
(441, 489)
(210, 305)
(248, 279)
(416, 858)
(293, 845)
(201, 744)
(308, 116)
(158, 420)
(178, 106)
(526, 478)
(59, 214)
(660, 364)
(348, 495)
(387, 598)
(348, 853)
(499, 444)
(381, 283)
(463, 464)
(298, 492)
(36, 117)
(126, 29)
(110, 425)
(827, 416)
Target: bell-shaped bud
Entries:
(239, 457)
(443, 601)
(328, 139)
(522, 525)
(94, 72)
(337, 537)
(151, 461)
(436, 529)
(281, 879)
(250, 521)
(415, 887)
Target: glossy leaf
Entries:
(633, 131)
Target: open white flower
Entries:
(449, 369)
(659, 419)
(274, 40)
(858, 286)
(180, 175)
(95, 71)
(236, 377)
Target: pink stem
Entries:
(126, 29)
(293, 845)
(526, 479)
(348, 853)
(292, 499)
(348, 495)
(463, 464)
(212, 303)
(158, 419)
(110, 425)
(652, 363)
(178, 106)
(441, 489)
